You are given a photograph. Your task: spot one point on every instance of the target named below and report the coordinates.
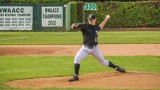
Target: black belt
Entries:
(90, 47)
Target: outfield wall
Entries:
(123, 15)
(32, 17)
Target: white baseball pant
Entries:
(95, 52)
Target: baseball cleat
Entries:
(120, 69)
(75, 78)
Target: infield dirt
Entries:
(71, 50)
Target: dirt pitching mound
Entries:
(129, 80)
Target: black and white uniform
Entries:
(90, 44)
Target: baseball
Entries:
(107, 16)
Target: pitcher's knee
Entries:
(105, 62)
(77, 61)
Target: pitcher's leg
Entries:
(82, 53)
(98, 55)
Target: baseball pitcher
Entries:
(90, 45)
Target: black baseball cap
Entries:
(91, 16)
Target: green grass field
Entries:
(23, 67)
(52, 38)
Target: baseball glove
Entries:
(74, 26)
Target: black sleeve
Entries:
(98, 28)
(80, 26)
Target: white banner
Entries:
(16, 17)
(52, 16)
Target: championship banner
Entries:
(52, 16)
(16, 17)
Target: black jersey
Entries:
(90, 34)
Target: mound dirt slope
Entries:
(129, 80)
